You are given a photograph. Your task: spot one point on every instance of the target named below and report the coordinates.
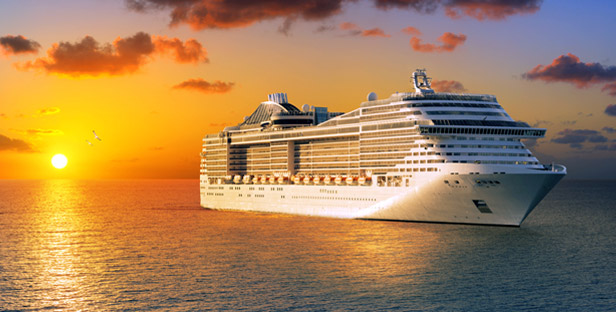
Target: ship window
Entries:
(482, 206)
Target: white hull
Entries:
(508, 199)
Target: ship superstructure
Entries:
(416, 156)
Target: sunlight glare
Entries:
(59, 161)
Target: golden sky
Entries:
(152, 77)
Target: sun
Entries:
(59, 161)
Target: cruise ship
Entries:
(420, 156)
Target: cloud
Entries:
(449, 43)
(350, 26)
(609, 129)
(156, 148)
(605, 147)
(448, 86)
(411, 31)
(190, 51)
(610, 110)
(227, 14)
(576, 137)
(207, 14)
(285, 27)
(354, 30)
(8, 144)
(490, 10)
(597, 139)
(374, 32)
(568, 122)
(610, 88)
(12, 45)
(568, 68)
(478, 9)
(421, 6)
(324, 28)
(204, 86)
(124, 56)
(41, 131)
(48, 111)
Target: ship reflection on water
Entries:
(147, 245)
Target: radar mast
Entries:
(421, 81)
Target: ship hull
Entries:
(489, 199)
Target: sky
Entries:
(152, 77)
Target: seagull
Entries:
(96, 136)
(89, 143)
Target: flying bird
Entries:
(89, 143)
(96, 136)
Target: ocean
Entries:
(146, 245)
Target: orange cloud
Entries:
(448, 86)
(126, 55)
(204, 86)
(568, 68)
(610, 88)
(449, 43)
(348, 26)
(374, 32)
(43, 132)
(11, 45)
(189, 52)
(204, 14)
(48, 111)
(7, 144)
(411, 31)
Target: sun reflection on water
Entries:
(59, 269)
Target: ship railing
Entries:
(555, 168)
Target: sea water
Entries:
(145, 245)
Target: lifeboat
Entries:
(307, 180)
(361, 180)
(263, 179)
(338, 180)
(327, 179)
(349, 180)
(246, 179)
(272, 180)
(281, 180)
(296, 179)
(237, 179)
(316, 180)
(255, 180)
